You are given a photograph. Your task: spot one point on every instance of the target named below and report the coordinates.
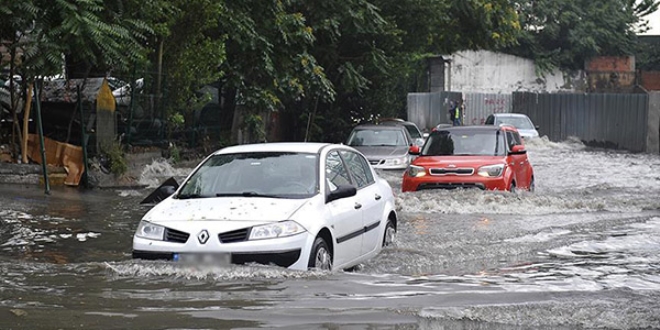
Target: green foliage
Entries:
(175, 154)
(566, 33)
(115, 153)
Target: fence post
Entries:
(83, 140)
(40, 129)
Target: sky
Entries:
(654, 23)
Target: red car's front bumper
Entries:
(452, 182)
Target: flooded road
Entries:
(582, 252)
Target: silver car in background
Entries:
(385, 146)
(525, 127)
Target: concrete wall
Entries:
(653, 135)
(490, 72)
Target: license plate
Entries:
(219, 259)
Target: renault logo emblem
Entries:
(203, 236)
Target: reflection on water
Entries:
(579, 253)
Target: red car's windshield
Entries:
(466, 143)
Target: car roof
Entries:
(380, 127)
(303, 147)
(509, 114)
(477, 128)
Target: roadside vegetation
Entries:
(321, 65)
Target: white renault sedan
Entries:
(295, 205)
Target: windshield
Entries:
(260, 174)
(518, 122)
(445, 143)
(377, 137)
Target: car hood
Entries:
(383, 152)
(225, 209)
(458, 161)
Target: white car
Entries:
(295, 205)
(524, 125)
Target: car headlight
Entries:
(396, 161)
(276, 230)
(151, 231)
(491, 171)
(416, 171)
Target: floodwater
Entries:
(582, 252)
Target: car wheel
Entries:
(320, 258)
(390, 233)
(512, 187)
(532, 185)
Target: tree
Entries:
(40, 34)
(565, 33)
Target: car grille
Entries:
(175, 236)
(452, 171)
(426, 186)
(234, 236)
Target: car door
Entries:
(513, 160)
(373, 204)
(523, 163)
(345, 213)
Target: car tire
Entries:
(390, 233)
(320, 257)
(532, 185)
(512, 187)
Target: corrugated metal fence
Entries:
(606, 120)
(430, 109)
(478, 106)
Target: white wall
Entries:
(490, 72)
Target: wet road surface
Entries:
(583, 252)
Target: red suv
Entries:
(484, 157)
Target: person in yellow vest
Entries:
(457, 112)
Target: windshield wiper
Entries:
(246, 194)
(189, 196)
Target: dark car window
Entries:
(512, 138)
(413, 131)
(336, 173)
(468, 143)
(377, 137)
(276, 174)
(359, 168)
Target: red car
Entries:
(484, 157)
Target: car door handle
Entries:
(378, 197)
(522, 163)
(358, 206)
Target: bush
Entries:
(115, 154)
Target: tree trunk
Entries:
(13, 102)
(26, 121)
(159, 79)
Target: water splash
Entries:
(159, 170)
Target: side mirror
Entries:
(341, 192)
(518, 149)
(414, 150)
(165, 190)
(537, 127)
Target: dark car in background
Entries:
(417, 135)
(385, 146)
